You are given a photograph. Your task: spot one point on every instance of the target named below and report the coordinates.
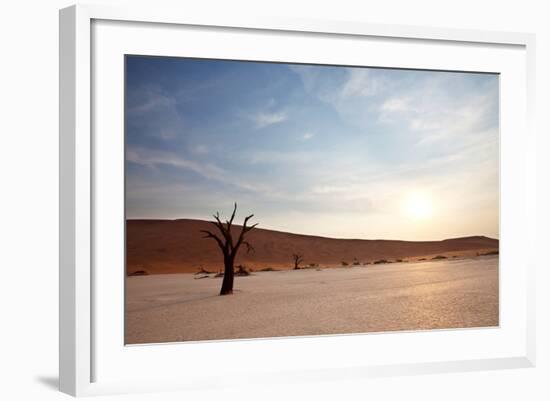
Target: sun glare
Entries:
(418, 206)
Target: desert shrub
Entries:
(344, 263)
(268, 269)
(439, 257)
(399, 260)
(380, 261)
(203, 271)
(138, 273)
(490, 253)
(241, 271)
(421, 259)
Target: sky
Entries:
(344, 152)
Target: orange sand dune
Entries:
(177, 246)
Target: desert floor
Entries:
(400, 296)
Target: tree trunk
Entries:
(228, 274)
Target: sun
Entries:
(418, 205)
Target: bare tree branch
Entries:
(216, 238)
(230, 221)
(249, 247)
(226, 233)
(244, 230)
(218, 223)
(228, 228)
(246, 220)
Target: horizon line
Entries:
(317, 235)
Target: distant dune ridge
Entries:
(177, 246)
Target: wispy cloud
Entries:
(359, 83)
(152, 158)
(307, 136)
(147, 106)
(265, 119)
(149, 98)
(201, 150)
(397, 104)
(155, 158)
(434, 111)
(350, 83)
(282, 158)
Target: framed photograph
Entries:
(295, 200)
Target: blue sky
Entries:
(325, 150)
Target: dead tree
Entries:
(229, 247)
(297, 260)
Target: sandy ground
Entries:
(400, 296)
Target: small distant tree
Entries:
(298, 258)
(228, 246)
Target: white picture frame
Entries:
(81, 224)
